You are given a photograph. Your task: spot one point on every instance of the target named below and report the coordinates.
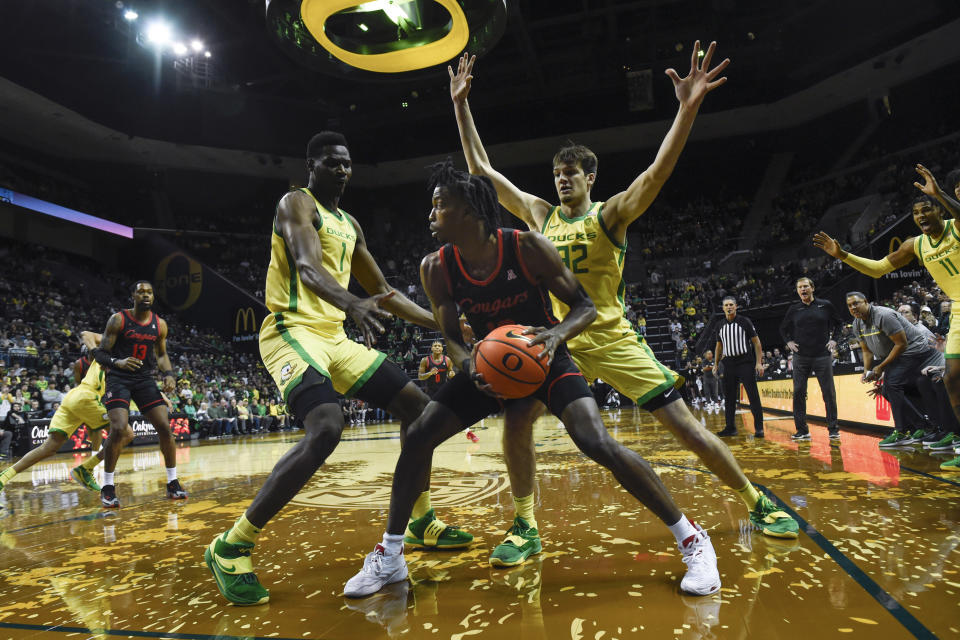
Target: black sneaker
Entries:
(758, 433)
(801, 437)
(835, 435)
(175, 491)
(727, 432)
(108, 497)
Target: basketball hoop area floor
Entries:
(877, 555)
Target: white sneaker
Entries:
(380, 570)
(702, 576)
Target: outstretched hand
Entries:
(366, 312)
(701, 80)
(823, 241)
(929, 186)
(461, 80)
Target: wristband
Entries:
(168, 373)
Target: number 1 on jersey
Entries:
(343, 252)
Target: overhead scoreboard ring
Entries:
(315, 13)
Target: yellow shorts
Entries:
(288, 350)
(628, 365)
(952, 348)
(80, 406)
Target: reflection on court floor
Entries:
(877, 556)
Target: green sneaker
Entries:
(428, 531)
(771, 521)
(895, 439)
(232, 568)
(946, 443)
(522, 541)
(5, 476)
(951, 465)
(82, 475)
(916, 436)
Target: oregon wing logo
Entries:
(286, 371)
(179, 280)
(246, 320)
(444, 493)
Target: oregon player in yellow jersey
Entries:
(591, 239)
(315, 248)
(81, 406)
(938, 250)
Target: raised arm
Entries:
(543, 262)
(531, 209)
(873, 268)
(367, 272)
(295, 216)
(931, 188)
(627, 206)
(163, 359)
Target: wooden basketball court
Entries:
(877, 556)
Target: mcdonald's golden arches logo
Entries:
(895, 243)
(246, 319)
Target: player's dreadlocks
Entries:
(476, 191)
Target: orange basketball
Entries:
(508, 363)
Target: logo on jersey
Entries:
(566, 237)
(492, 307)
(511, 275)
(286, 371)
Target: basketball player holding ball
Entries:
(495, 277)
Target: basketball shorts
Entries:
(563, 385)
(121, 389)
(952, 348)
(629, 366)
(289, 350)
(80, 406)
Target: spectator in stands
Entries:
(911, 311)
(710, 382)
(943, 322)
(11, 424)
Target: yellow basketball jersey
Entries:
(941, 257)
(589, 250)
(285, 292)
(94, 378)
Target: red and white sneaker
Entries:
(472, 437)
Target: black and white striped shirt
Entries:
(735, 337)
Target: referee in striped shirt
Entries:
(739, 352)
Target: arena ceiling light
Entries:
(159, 33)
(363, 40)
(130, 15)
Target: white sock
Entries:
(683, 529)
(107, 477)
(392, 544)
(171, 474)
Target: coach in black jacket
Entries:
(809, 329)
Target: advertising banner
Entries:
(35, 432)
(200, 295)
(853, 403)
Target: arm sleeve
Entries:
(873, 268)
